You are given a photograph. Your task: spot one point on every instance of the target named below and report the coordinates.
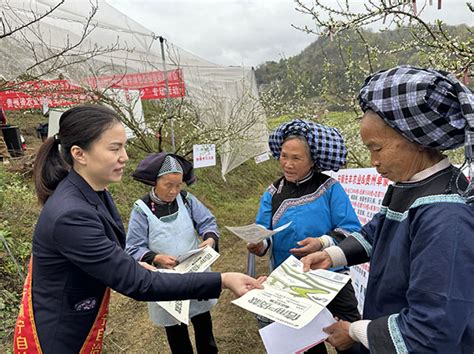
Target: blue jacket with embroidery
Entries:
(315, 207)
(420, 293)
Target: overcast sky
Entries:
(244, 32)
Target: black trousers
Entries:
(343, 306)
(178, 336)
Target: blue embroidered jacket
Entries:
(315, 206)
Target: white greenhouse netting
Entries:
(223, 95)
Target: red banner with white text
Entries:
(151, 84)
(60, 93)
(34, 94)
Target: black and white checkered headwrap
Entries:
(326, 144)
(429, 107)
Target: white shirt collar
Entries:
(444, 163)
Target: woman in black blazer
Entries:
(79, 239)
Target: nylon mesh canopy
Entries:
(223, 95)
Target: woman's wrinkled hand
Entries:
(165, 261)
(209, 242)
(317, 260)
(339, 335)
(307, 246)
(256, 248)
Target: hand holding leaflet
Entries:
(254, 233)
(291, 296)
(275, 336)
(197, 260)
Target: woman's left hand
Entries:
(209, 242)
(339, 335)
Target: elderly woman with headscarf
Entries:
(316, 204)
(163, 225)
(420, 293)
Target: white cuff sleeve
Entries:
(358, 332)
(265, 248)
(337, 256)
(326, 241)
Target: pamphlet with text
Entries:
(194, 261)
(293, 297)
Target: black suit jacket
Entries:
(77, 253)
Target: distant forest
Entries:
(310, 68)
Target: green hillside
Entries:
(342, 61)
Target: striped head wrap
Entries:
(326, 144)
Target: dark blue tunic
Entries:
(420, 294)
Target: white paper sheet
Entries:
(281, 339)
(179, 309)
(188, 254)
(197, 261)
(254, 233)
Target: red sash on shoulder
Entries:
(26, 337)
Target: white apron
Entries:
(172, 238)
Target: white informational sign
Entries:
(129, 100)
(53, 122)
(194, 261)
(366, 189)
(254, 233)
(360, 276)
(204, 155)
(45, 106)
(293, 297)
(262, 157)
(281, 339)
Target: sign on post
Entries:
(262, 158)
(204, 155)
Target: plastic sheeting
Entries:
(225, 96)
